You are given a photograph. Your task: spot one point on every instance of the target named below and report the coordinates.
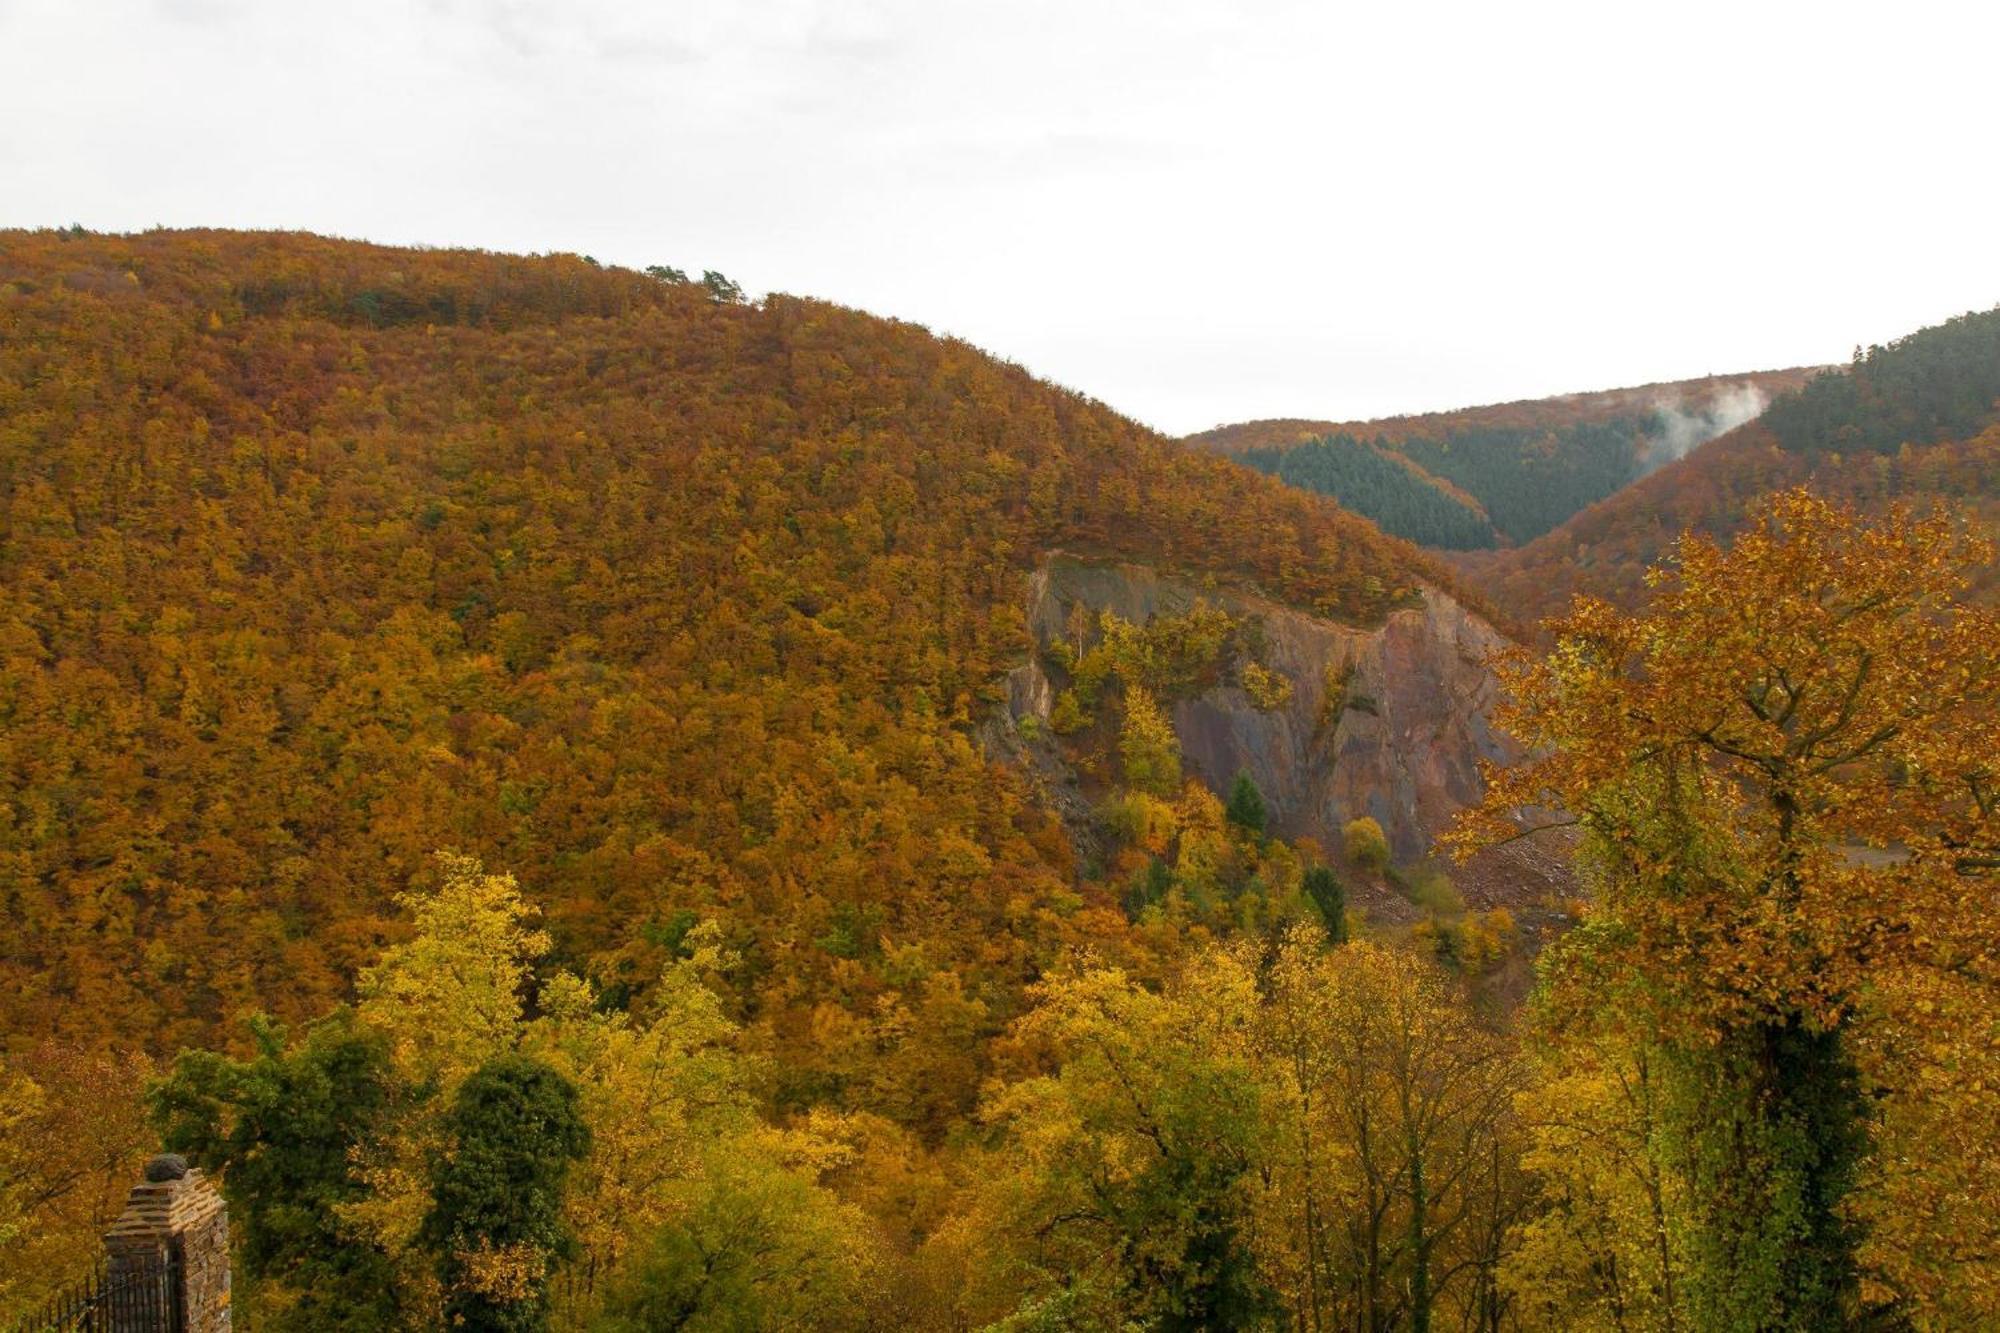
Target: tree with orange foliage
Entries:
(1784, 771)
(72, 1135)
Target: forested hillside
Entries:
(1388, 487)
(1912, 420)
(1936, 385)
(1522, 483)
(319, 556)
(693, 617)
(1499, 475)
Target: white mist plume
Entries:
(1680, 429)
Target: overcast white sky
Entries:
(1195, 212)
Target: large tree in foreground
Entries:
(1785, 772)
(496, 1222)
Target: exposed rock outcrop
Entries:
(1390, 722)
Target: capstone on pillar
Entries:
(174, 1229)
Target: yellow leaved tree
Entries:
(1286, 1133)
(1784, 770)
(683, 1183)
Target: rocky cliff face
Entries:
(1389, 722)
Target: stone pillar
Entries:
(174, 1223)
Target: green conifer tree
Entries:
(1246, 805)
(1328, 896)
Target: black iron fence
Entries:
(133, 1298)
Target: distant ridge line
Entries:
(1525, 413)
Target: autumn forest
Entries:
(585, 801)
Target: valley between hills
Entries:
(588, 801)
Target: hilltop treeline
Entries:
(1937, 384)
(1912, 421)
(1523, 468)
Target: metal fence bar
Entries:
(140, 1299)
